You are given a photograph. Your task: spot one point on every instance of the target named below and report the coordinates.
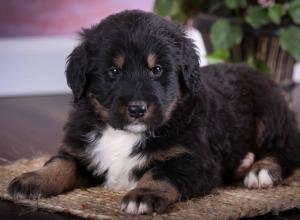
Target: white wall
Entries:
(35, 66)
(296, 75)
(30, 66)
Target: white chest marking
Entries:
(111, 152)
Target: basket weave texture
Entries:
(100, 203)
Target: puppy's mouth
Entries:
(136, 127)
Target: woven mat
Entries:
(100, 203)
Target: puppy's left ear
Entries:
(190, 67)
(77, 67)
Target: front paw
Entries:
(26, 186)
(263, 174)
(144, 201)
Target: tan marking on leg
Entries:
(264, 173)
(149, 196)
(151, 60)
(269, 163)
(168, 154)
(58, 175)
(119, 61)
(162, 187)
(54, 178)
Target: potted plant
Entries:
(263, 33)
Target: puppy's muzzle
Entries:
(137, 109)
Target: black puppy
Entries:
(147, 119)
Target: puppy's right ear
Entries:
(77, 67)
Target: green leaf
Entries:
(232, 4)
(276, 12)
(294, 11)
(218, 56)
(259, 65)
(172, 8)
(163, 7)
(225, 35)
(257, 16)
(289, 41)
(177, 13)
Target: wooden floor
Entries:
(32, 126)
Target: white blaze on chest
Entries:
(111, 152)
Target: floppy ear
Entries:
(190, 67)
(76, 71)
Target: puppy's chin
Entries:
(136, 128)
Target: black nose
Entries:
(137, 109)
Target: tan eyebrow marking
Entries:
(119, 61)
(151, 60)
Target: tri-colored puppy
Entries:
(148, 120)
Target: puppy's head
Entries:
(133, 67)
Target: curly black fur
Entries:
(209, 114)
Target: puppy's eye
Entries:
(113, 72)
(156, 71)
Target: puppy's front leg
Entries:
(149, 196)
(174, 180)
(59, 174)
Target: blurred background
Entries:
(36, 36)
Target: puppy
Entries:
(147, 119)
